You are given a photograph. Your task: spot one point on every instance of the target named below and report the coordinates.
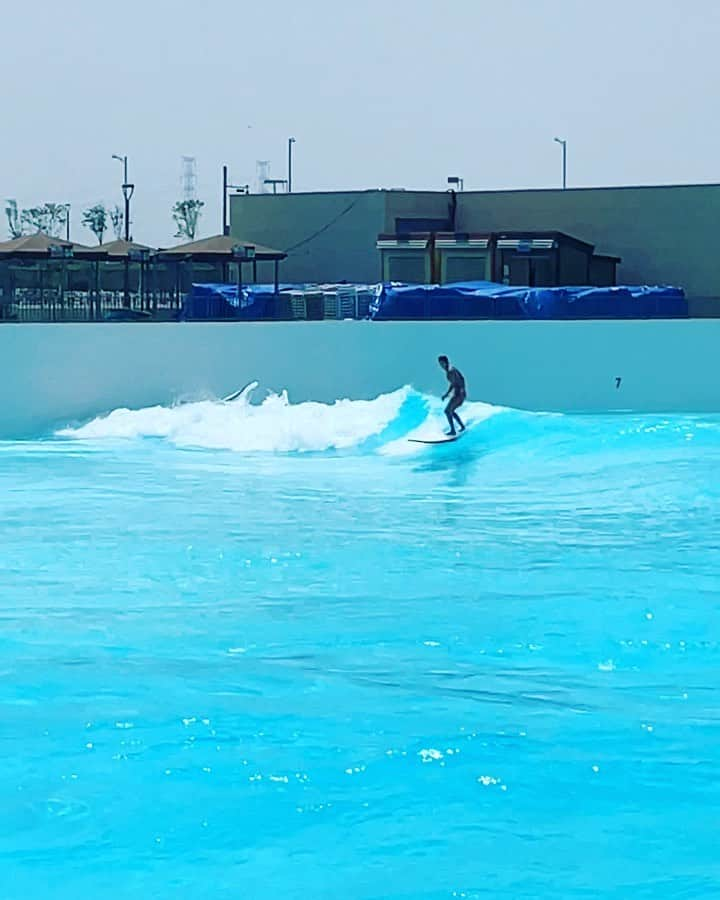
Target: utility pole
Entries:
(563, 144)
(226, 186)
(225, 228)
(291, 141)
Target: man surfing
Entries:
(457, 393)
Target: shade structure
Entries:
(122, 249)
(41, 245)
(221, 247)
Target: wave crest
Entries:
(277, 425)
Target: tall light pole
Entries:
(563, 144)
(128, 190)
(291, 141)
(240, 188)
(457, 181)
(225, 228)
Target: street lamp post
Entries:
(128, 190)
(457, 181)
(563, 144)
(225, 230)
(67, 221)
(240, 188)
(291, 141)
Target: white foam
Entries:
(275, 425)
(434, 426)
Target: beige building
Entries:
(663, 234)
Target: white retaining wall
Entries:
(51, 375)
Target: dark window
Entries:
(420, 226)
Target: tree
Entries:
(117, 218)
(95, 218)
(13, 217)
(50, 218)
(57, 214)
(186, 214)
(34, 218)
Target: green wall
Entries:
(415, 205)
(336, 232)
(665, 235)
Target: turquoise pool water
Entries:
(277, 651)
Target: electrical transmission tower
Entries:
(189, 178)
(263, 173)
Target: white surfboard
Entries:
(247, 390)
(447, 439)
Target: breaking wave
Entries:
(249, 424)
(277, 425)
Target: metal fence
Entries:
(53, 305)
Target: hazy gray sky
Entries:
(399, 93)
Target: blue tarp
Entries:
(462, 300)
(220, 301)
(486, 300)
(257, 301)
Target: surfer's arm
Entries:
(454, 386)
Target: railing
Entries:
(52, 305)
(311, 304)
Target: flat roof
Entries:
(599, 187)
(525, 190)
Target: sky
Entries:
(400, 93)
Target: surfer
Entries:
(457, 393)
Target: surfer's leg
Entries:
(454, 405)
(450, 412)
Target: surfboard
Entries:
(448, 439)
(248, 389)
